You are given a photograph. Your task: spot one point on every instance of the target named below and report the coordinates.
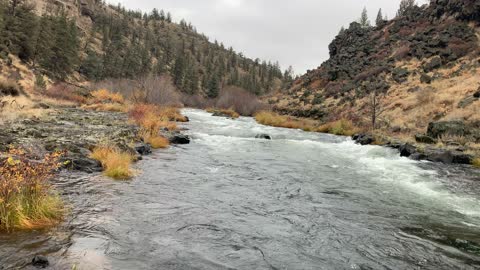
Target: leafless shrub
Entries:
(159, 90)
(240, 100)
(197, 101)
(9, 88)
(62, 91)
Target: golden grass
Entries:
(107, 107)
(476, 162)
(104, 95)
(157, 142)
(341, 127)
(116, 164)
(27, 200)
(228, 112)
(276, 120)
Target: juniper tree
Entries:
(379, 20)
(364, 21)
(405, 7)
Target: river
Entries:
(230, 201)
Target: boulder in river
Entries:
(263, 136)
(363, 139)
(178, 138)
(447, 156)
(407, 150)
(40, 261)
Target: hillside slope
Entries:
(421, 67)
(79, 40)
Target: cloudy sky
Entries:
(294, 33)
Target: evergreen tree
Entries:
(169, 17)
(92, 66)
(213, 86)
(405, 7)
(379, 20)
(364, 21)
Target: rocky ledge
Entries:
(426, 149)
(77, 132)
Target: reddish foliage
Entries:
(63, 91)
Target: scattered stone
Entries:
(178, 138)
(425, 139)
(143, 149)
(424, 78)
(466, 102)
(400, 75)
(435, 63)
(363, 139)
(40, 261)
(437, 129)
(418, 156)
(263, 136)
(407, 150)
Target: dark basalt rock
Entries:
(363, 139)
(263, 136)
(40, 261)
(82, 163)
(447, 156)
(477, 94)
(143, 149)
(424, 78)
(425, 139)
(407, 150)
(437, 129)
(435, 63)
(178, 138)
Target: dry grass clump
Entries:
(341, 127)
(276, 120)
(105, 100)
(227, 112)
(476, 162)
(116, 164)
(152, 118)
(104, 95)
(27, 200)
(9, 88)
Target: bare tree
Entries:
(375, 108)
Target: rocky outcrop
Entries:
(420, 138)
(453, 128)
(75, 132)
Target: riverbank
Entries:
(447, 142)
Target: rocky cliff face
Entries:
(429, 52)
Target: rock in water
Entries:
(40, 261)
(263, 136)
(178, 138)
(143, 149)
(407, 150)
(363, 139)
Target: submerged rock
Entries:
(263, 136)
(40, 261)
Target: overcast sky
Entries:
(294, 33)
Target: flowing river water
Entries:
(230, 201)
